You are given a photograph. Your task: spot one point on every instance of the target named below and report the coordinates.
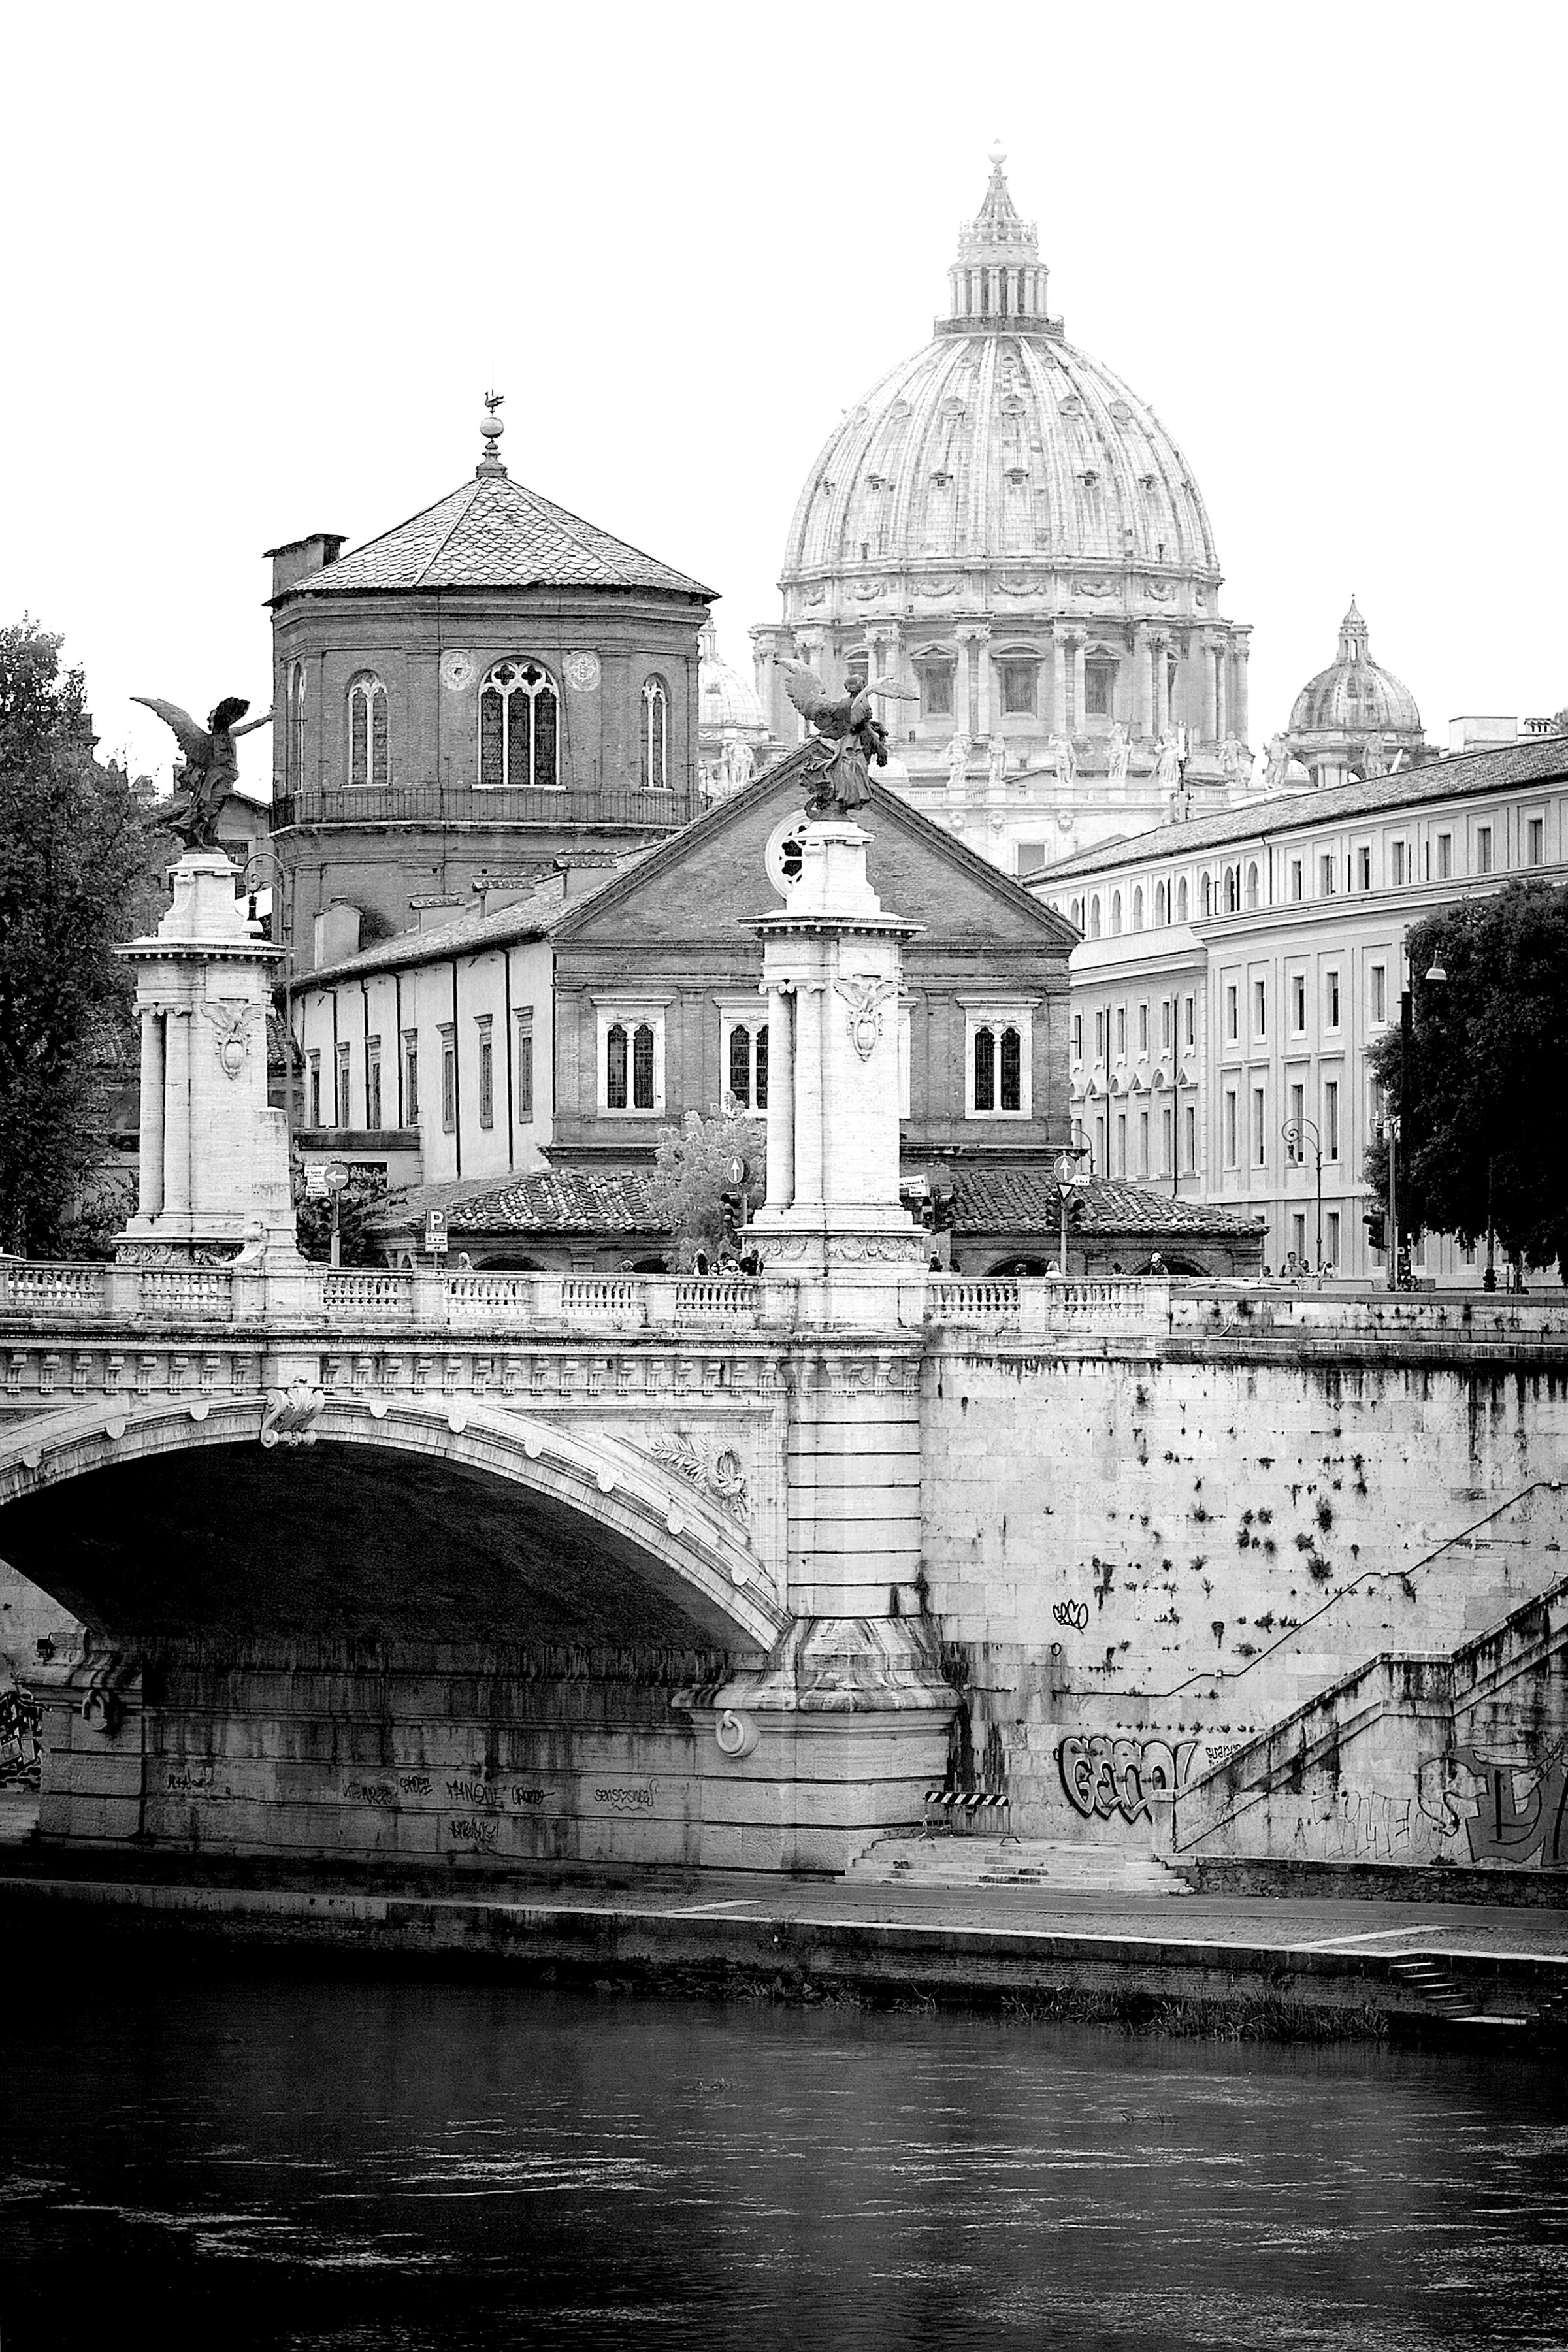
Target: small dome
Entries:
(1353, 696)
(725, 700)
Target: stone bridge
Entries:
(731, 1572)
(486, 1567)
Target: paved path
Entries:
(1357, 1924)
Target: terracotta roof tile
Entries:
(493, 533)
(1024, 1200)
(550, 1201)
(1540, 759)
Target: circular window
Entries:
(783, 853)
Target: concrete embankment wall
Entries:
(1165, 1983)
(1143, 1558)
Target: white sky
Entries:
(262, 263)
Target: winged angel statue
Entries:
(847, 738)
(211, 769)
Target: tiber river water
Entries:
(238, 2160)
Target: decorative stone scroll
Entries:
(708, 1465)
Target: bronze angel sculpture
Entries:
(211, 769)
(848, 739)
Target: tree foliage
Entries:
(1484, 1132)
(76, 876)
(692, 1166)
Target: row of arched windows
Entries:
(519, 730)
(1112, 915)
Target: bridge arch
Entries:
(432, 1519)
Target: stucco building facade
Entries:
(1235, 970)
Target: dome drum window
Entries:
(1019, 676)
(520, 728)
(368, 760)
(1098, 686)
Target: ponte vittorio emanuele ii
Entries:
(494, 1567)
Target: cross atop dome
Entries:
(998, 282)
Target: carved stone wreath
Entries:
(708, 1464)
(582, 672)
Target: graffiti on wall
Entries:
(1102, 1776)
(1520, 1808)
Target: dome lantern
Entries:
(997, 285)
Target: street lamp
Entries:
(1298, 1133)
(247, 882)
(335, 1177)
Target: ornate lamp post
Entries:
(1297, 1134)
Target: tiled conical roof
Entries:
(492, 533)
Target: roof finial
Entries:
(492, 428)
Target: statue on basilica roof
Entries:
(847, 738)
(211, 769)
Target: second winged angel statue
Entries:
(847, 738)
(211, 769)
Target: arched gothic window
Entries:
(1078, 914)
(655, 735)
(1208, 895)
(1137, 908)
(1115, 914)
(1094, 916)
(1232, 889)
(998, 1069)
(368, 759)
(628, 1067)
(1252, 884)
(519, 732)
(1181, 900)
(1162, 904)
(294, 739)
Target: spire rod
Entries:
(492, 428)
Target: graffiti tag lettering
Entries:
(1523, 1815)
(1072, 1613)
(626, 1801)
(476, 1829)
(1103, 1776)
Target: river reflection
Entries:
(280, 2162)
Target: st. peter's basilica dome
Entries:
(1002, 524)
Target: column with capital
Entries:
(1239, 705)
(1211, 692)
(1222, 691)
(781, 997)
(1060, 721)
(964, 718)
(1143, 684)
(177, 1110)
(1077, 707)
(1158, 645)
(983, 673)
(149, 1171)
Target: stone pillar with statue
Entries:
(850, 1713)
(215, 1176)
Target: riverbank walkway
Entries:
(1357, 1963)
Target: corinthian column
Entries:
(1059, 682)
(1158, 643)
(151, 1193)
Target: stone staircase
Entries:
(1403, 1713)
(908, 1858)
(1463, 1587)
